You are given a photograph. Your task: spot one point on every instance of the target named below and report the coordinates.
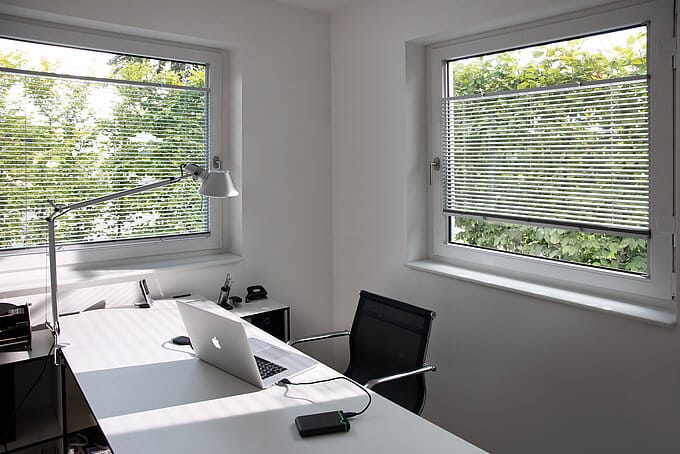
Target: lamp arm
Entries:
(190, 170)
(59, 211)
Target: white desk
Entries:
(151, 396)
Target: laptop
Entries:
(221, 341)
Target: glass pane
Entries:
(594, 249)
(599, 57)
(87, 63)
(70, 140)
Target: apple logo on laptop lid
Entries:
(216, 343)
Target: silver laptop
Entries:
(221, 340)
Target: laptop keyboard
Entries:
(268, 368)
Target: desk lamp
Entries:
(214, 183)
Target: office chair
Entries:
(387, 347)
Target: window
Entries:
(553, 135)
(556, 156)
(80, 121)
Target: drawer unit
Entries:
(268, 315)
(273, 322)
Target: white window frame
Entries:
(658, 289)
(45, 33)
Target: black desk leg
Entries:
(287, 335)
(64, 428)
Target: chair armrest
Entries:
(319, 337)
(376, 381)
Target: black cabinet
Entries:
(54, 408)
(268, 315)
(7, 402)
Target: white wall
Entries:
(516, 374)
(279, 134)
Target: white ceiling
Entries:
(324, 6)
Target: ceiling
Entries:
(324, 6)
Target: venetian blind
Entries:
(566, 156)
(67, 138)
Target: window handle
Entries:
(435, 164)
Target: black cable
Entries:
(348, 415)
(23, 399)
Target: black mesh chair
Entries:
(387, 347)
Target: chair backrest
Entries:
(389, 337)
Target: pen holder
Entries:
(223, 299)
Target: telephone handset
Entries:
(255, 292)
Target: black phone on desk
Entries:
(255, 292)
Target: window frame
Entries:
(54, 34)
(656, 289)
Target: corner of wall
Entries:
(232, 137)
(415, 92)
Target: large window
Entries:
(77, 123)
(553, 161)
(556, 134)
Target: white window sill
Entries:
(29, 282)
(657, 315)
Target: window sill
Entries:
(657, 315)
(29, 282)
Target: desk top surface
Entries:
(258, 307)
(149, 395)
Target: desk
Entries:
(151, 396)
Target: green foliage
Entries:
(615, 252)
(142, 69)
(553, 64)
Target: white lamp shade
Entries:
(218, 183)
